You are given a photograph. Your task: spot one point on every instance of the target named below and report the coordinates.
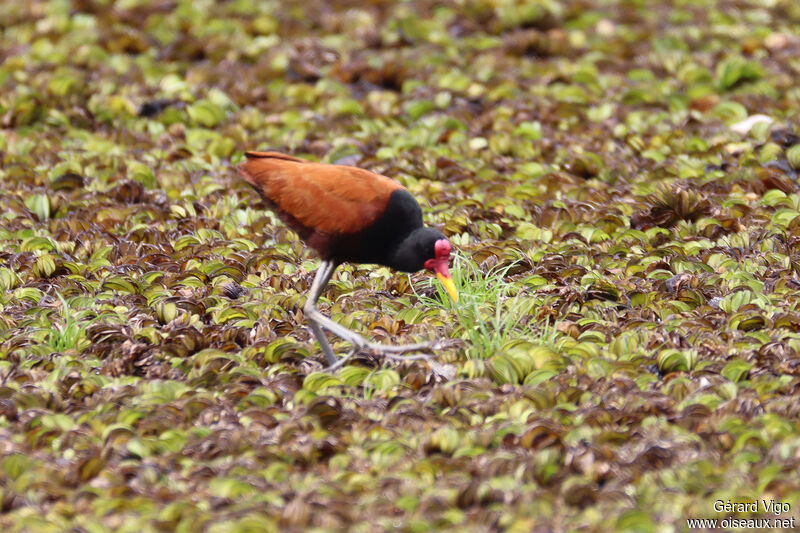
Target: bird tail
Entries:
(272, 155)
(261, 166)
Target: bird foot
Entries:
(361, 343)
(378, 351)
(386, 352)
(400, 348)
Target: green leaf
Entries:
(736, 370)
(735, 70)
(143, 174)
(539, 376)
(353, 375)
(793, 156)
(730, 112)
(319, 381)
(16, 464)
(418, 108)
(139, 448)
(229, 488)
(33, 244)
(531, 131)
(383, 380)
(31, 294)
(8, 279)
(503, 369)
(673, 360)
(635, 521)
(206, 113)
(119, 284)
(45, 266)
(39, 204)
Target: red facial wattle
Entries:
(440, 264)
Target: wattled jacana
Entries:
(348, 214)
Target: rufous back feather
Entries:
(332, 199)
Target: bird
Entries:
(348, 214)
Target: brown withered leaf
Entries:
(67, 182)
(669, 205)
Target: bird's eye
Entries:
(430, 263)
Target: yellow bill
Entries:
(449, 285)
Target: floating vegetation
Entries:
(619, 180)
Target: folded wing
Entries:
(332, 199)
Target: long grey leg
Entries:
(357, 340)
(318, 322)
(324, 273)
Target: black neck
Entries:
(412, 252)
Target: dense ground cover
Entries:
(625, 351)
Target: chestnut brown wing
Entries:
(332, 199)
